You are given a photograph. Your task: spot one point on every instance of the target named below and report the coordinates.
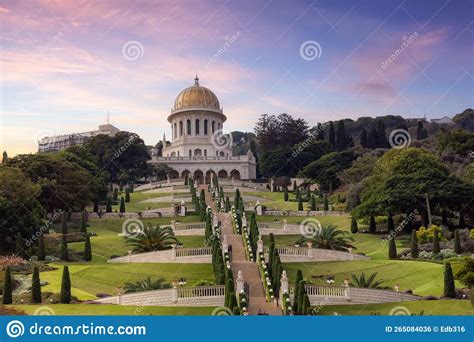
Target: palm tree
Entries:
(369, 282)
(328, 237)
(146, 285)
(153, 238)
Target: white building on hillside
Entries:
(60, 142)
(199, 147)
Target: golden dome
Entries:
(196, 97)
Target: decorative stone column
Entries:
(173, 251)
(240, 283)
(259, 208)
(271, 185)
(285, 222)
(260, 245)
(284, 283)
(174, 294)
(129, 255)
(225, 244)
(244, 220)
(310, 249)
(183, 209)
(167, 178)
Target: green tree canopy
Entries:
(20, 211)
(402, 177)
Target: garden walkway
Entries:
(249, 269)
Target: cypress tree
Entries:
(300, 204)
(301, 294)
(65, 295)
(313, 203)
(115, 195)
(227, 204)
(332, 135)
(326, 203)
(132, 187)
(285, 194)
(392, 248)
(414, 245)
(390, 223)
(41, 248)
(122, 205)
(320, 132)
(298, 194)
(233, 302)
(294, 187)
(363, 138)
(449, 288)
(354, 227)
(372, 225)
(19, 246)
(35, 286)
(83, 227)
(436, 248)
(299, 278)
(127, 195)
(96, 205)
(444, 219)
(121, 186)
(87, 249)
(457, 243)
(7, 297)
(462, 222)
(64, 224)
(108, 208)
(306, 305)
(64, 252)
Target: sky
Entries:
(65, 64)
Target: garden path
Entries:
(249, 269)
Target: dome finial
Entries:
(196, 80)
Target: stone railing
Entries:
(187, 226)
(186, 296)
(304, 213)
(343, 295)
(187, 252)
(174, 255)
(309, 254)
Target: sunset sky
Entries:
(64, 64)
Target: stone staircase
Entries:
(250, 273)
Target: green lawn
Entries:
(108, 243)
(89, 279)
(113, 310)
(423, 278)
(432, 307)
(276, 201)
(98, 276)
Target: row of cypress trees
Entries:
(65, 294)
